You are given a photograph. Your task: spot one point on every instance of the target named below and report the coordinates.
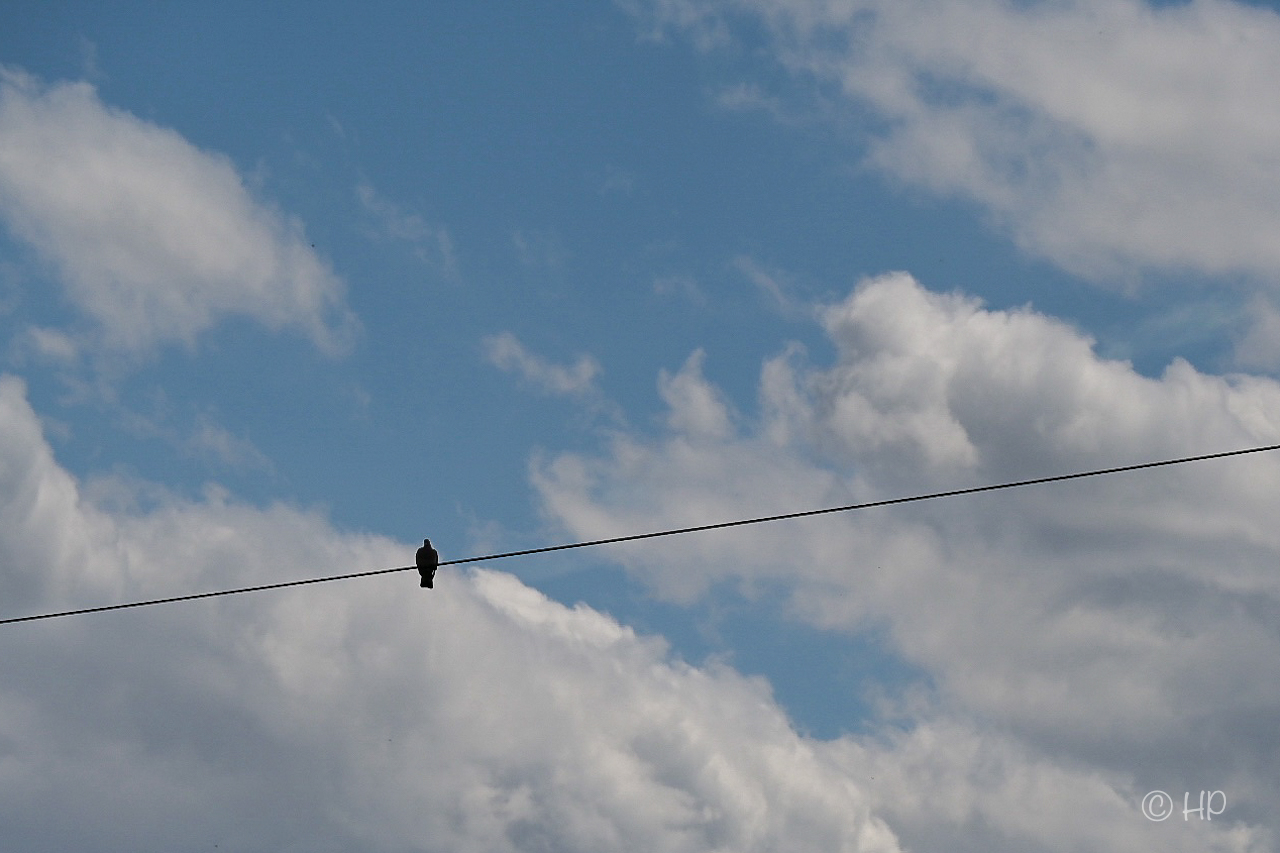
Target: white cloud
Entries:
(697, 410)
(1103, 134)
(947, 787)
(1114, 629)
(478, 717)
(505, 352)
(152, 238)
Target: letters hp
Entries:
(1206, 811)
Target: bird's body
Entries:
(428, 560)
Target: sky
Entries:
(285, 288)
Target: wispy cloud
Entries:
(210, 439)
(1106, 136)
(48, 345)
(432, 244)
(682, 285)
(615, 181)
(538, 249)
(199, 437)
(771, 282)
(505, 352)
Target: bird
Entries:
(428, 560)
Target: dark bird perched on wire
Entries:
(428, 561)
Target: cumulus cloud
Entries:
(944, 786)
(152, 239)
(1103, 134)
(479, 717)
(696, 409)
(1124, 625)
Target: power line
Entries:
(653, 535)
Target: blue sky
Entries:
(285, 288)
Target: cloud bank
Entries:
(1113, 629)
(480, 717)
(151, 238)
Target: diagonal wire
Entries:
(655, 534)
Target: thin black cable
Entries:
(636, 536)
